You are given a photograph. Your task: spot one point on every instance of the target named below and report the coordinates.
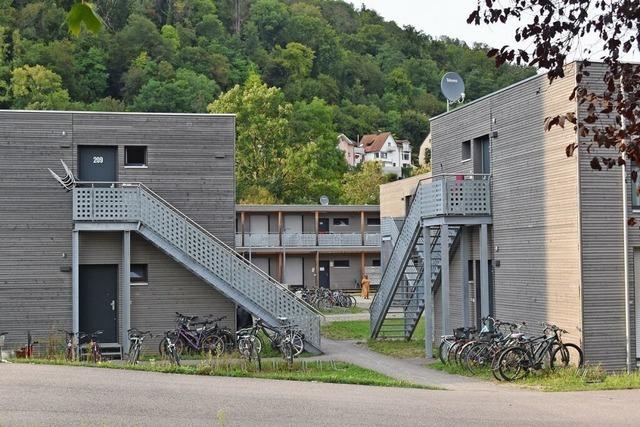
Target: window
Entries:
(341, 263)
(340, 221)
(383, 155)
(466, 150)
(135, 155)
(139, 274)
(373, 221)
(405, 156)
(377, 155)
(375, 263)
(635, 188)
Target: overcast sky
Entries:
(449, 17)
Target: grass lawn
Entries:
(359, 330)
(320, 371)
(343, 310)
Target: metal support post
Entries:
(428, 300)
(464, 267)
(126, 290)
(484, 271)
(444, 276)
(75, 281)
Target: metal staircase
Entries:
(196, 249)
(399, 302)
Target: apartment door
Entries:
(259, 224)
(479, 293)
(97, 163)
(99, 300)
(482, 155)
(262, 263)
(292, 224)
(323, 225)
(324, 277)
(293, 271)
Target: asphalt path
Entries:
(62, 395)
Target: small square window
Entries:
(341, 263)
(373, 221)
(135, 155)
(466, 150)
(340, 221)
(377, 155)
(139, 274)
(375, 263)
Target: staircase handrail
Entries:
(209, 234)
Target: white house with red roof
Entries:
(380, 147)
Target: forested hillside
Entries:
(297, 73)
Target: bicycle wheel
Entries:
(461, 354)
(514, 363)
(353, 301)
(213, 346)
(96, 354)
(68, 354)
(298, 344)
(443, 351)
(174, 356)
(566, 355)
(134, 354)
(451, 354)
(477, 358)
(287, 350)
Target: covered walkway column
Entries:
(75, 281)
(428, 301)
(484, 270)
(444, 277)
(464, 267)
(126, 290)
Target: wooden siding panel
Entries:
(602, 251)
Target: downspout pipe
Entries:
(625, 245)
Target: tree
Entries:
(37, 88)
(363, 186)
(555, 31)
(188, 92)
(262, 132)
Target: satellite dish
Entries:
(324, 200)
(452, 86)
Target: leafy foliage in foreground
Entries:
(317, 67)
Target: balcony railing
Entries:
(372, 239)
(272, 240)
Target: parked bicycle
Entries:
(534, 353)
(287, 331)
(249, 345)
(169, 348)
(136, 340)
(194, 335)
(71, 345)
(92, 348)
(323, 298)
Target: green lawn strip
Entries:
(343, 310)
(319, 371)
(456, 369)
(582, 379)
(347, 330)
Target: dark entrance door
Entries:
(323, 225)
(97, 163)
(98, 300)
(479, 295)
(323, 278)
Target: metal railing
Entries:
(271, 240)
(441, 195)
(134, 202)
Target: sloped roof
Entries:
(374, 142)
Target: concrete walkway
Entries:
(412, 370)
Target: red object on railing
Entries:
(459, 177)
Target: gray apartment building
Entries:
(147, 229)
(516, 228)
(312, 246)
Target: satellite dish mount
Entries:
(324, 200)
(452, 87)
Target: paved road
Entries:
(59, 395)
